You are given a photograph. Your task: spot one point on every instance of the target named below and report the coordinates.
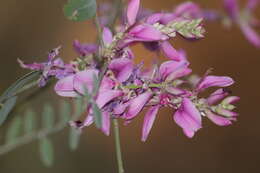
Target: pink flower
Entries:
(188, 118)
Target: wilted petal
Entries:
(170, 52)
(85, 80)
(215, 81)
(217, 96)
(64, 87)
(107, 36)
(251, 35)
(106, 123)
(218, 120)
(132, 10)
(122, 68)
(188, 117)
(33, 66)
(106, 96)
(137, 104)
(148, 121)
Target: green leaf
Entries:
(74, 138)
(80, 10)
(97, 115)
(7, 108)
(9, 93)
(48, 117)
(13, 130)
(46, 151)
(19, 84)
(29, 121)
(65, 114)
(96, 84)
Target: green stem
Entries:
(118, 147)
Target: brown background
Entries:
(30, 28)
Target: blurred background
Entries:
(29, 29)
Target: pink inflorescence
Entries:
(126, 89)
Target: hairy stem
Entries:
(118, 147)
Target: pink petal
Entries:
(217, 96)
(122, 67)
(64, 87)
(33, 66)
(232, 8)
(230, 100)
(89, 120)
(107, 36)
(106, 96)
(154, 18)
(132, 10)
(106, 123)
(137, 105)
(170, 52)
(251, 35)
(215, 81)
(84, 80)
(188, 117)
(218, 120)
(252, 4)
(226, 113)
(188, 9)
(148, 121)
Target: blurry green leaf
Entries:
(96, 84)
(97, 115)
(74, 138)
(10, 92)
(65, 114)
(13, 130)
(7, 108)
(48, 117)
(80, 10)
(29, 121)
(46, 151)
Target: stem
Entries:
(118, 147)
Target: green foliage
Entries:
(8, 96)
(46, 151)
(29, 122)
(7, 108)
(80, 10)
(65, 113)
(74, 138)
(97, 115)
(14, 130)
(48, 117)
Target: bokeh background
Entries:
(29, 29)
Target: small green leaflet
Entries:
(48, 117)
(29, 122)
(13, 130)
(74, 138)
(7, 108)
(65, 112)
(46, 151)
(80, 10)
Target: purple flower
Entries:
(188, 118)
(244, 19)
(54, 67)
(132, 10)
(84, 49)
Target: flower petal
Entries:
(106, 123)
(251, 34)
(137, 105)
(215, 81)
(218, 120)
(132, 10)
(64, 87)
(122, 68)
(232, 8)
(84, 80)
(148, 121)
(217, 96)
(107, 36)
(170, 52)
(106, 96)
(188, 117)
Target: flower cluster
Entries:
(125, 88)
